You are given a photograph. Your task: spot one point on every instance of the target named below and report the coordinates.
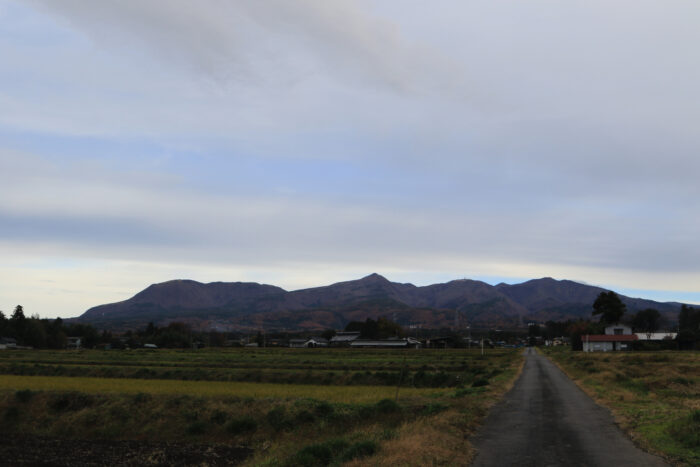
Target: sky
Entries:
(301, 143)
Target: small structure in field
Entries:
(150, 346)
(407, 343)
(312, 342)
(557, 341)
(8, 343)
(344, 339)
(438, 342)
(317, 342)
(617, 337)
(74, 343)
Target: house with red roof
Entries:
(617, 337)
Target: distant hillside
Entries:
(249, 306)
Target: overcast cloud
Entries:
(299, 143)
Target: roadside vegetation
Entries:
(286, 406)
(655, 396)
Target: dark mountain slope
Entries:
(370, 287)
(242, 305)
(184, 295)
(548, 298)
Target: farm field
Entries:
(427, 368)
(655, 396)
(271, 406)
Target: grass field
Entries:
(289, 406)
(655, 396)
(341, 394)
(427, 368)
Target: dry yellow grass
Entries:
(342, 394)
(434, 442)
(441, 439)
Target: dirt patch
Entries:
(23, 450)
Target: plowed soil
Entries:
(20, 450)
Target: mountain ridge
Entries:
(250, 305)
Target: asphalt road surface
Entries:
(546, 420)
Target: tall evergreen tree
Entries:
(609, 306)
(647, 321)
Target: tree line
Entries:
(39, 333)
(611, 310)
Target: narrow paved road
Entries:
(546, 420)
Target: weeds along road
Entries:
(546, 420)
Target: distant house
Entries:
(8, 343)
(617, 337)
(275, 343)
(438, 342)
(344, 339)
(557, 341)
(317, 342)
(408, 342)
(312, 342)
(74, 343)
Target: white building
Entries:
(656, 336)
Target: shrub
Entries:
(24, 395)
(241, 425)
(630, 384)
(686, 430)
(69, 401)
(683, 381)
(359, 450)
(305, 416)
(324, 409)
(12, 414)
(196, 428)
(277, 418)
(321, 454)
(440, 379)
(332, 452)
(141, 398)
(219, 417)
(387, 406)
(435, 407)
(480, 382)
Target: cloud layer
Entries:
(305, 142)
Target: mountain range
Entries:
(245, 306)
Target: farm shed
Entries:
(344, 339)
(408, 342)
(656, 336)
(8, 343)
(308, 343)
(74, 342)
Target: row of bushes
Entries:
(420, 378)
(199, 422)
